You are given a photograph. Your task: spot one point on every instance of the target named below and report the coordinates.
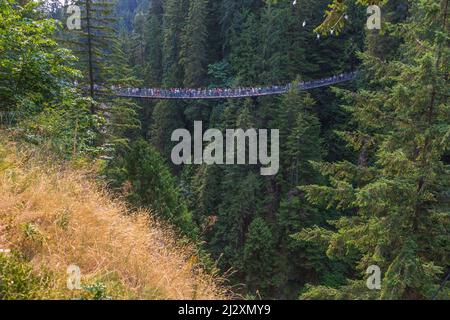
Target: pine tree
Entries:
(398, 201)
(245, 58)
(166, 118)
(241, 188)
(173, 21)
(121, 114)
(167, 115)
(259, 258)
(153, 71)
(138, 47)
(193, 52)
(91, 43)
(152, 185)
(103, 62)
(301, 137)
(206, 185)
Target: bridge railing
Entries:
(224, 93)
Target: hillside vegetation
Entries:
(53, 216)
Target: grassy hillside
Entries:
(53, 216)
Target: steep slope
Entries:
(52, 216)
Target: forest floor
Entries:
(53, 216)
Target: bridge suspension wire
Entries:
(225, 93)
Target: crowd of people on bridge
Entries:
(211, 93)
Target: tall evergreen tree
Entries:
(193, 52)
(167, 115)
(259, 260)
(90, 43)
(152, 185)
(153, 71)
(103, 62)
(398, 201)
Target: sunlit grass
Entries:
(54, 216)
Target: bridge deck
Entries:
(226, 93)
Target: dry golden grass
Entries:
(56, 216)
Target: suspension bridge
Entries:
(226, 93)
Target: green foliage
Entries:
(257, 43)
(355, 290)
(398, 192)
(166, 118)
(36, 83)
(18, 281)
(335, 14)
(300, 137)
(153, 186)
(244, 57)
(259, 257)
(96, 291)
(193, 51)
(172, 25)
(92, 42)
(331, 211)
(153, 74)
(37, 71)
(102, 58)
(66, 128)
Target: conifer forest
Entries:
(225, 149)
